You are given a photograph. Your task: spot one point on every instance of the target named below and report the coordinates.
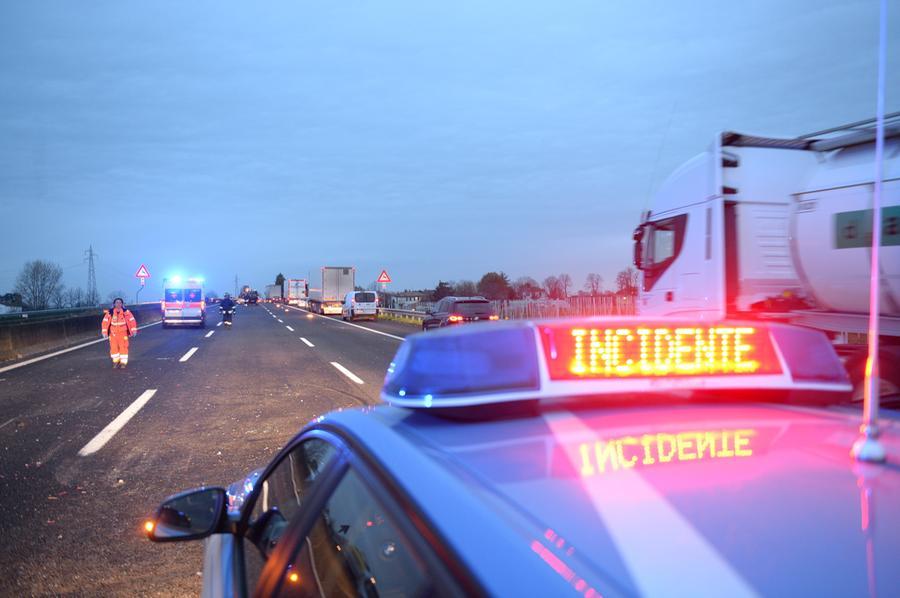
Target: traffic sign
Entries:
(142, 272)
(384, 278)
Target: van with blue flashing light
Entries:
(183, 303)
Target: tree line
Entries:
(39, 286)
(498, 286)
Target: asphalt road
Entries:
(70, 523)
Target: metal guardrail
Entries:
(403, 315)
(59, 314)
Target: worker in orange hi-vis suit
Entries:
(118, 324)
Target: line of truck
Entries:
(326, 299)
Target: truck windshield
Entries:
(173, 294)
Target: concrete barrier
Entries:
(26, 337)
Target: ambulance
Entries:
(183, 303)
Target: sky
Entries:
(436, 140)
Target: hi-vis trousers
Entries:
(118, 348)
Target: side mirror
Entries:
(190, 515)
(639, 247)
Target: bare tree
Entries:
(74, 297)
(627, 281)
(551, 286)
(593, 284)
(38, 282)
(565, 283)
(59, 297)
(526, 287)
(465, 288)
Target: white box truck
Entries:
(295, 291)
(780, 229)
(273, 293)
(337, 281)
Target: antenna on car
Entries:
(867, 447)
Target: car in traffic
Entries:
(184, 305)
(582, 457)
(451, 311)
(360, 304)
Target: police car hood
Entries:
(700, 500)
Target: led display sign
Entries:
(648, 351)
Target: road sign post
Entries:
(143, 274)
(384, 278)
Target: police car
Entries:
(570, 458)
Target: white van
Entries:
(360, 304)
(184, 305)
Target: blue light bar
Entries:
(526, 361)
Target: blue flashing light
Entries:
(449, 365)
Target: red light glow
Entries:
(455, 318)
(628, 452)
(650, 351)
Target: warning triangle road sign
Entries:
(384, 278)
(142, 272)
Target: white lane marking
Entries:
(6, 423)
(49, 355)
(219, 324)
(187, 355)
(347, 372)
(684, 559)
(399, 338)
(115, 425)
(289, 328)
(210, 333)
(308, 344)
(280, 320)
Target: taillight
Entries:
(455, 318)
(494, 318)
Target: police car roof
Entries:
(698, 499)
(638, 496)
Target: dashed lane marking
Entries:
(210, 333)
(100, 440)
(308, 344)
(347, 372)
(289, 328)
(187, 355)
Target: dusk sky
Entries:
(438, 140)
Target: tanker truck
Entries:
(781, 229)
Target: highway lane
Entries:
(224, 411)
